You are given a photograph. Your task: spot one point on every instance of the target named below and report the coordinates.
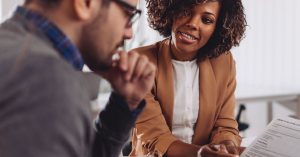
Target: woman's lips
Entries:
(187, 38)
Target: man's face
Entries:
(104, 34)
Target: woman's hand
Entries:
(231, 147)
(224, 149)
(219, 150)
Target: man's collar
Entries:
(59, 40)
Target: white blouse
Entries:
(186, 99)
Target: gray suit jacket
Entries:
(44, 102)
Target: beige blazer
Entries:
(216, 120)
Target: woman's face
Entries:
(191, 32)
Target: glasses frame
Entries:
(133, 13)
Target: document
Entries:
(281, 138)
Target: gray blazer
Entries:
(44, 102)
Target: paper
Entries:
(280, 139)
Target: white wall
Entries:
(0, 10)
(8, 6)
(269, 56)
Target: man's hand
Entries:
(131, 76)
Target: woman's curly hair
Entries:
(230, 27)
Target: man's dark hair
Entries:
(45, 3)
(54, 3)
(230, 27)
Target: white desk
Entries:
(251, 94)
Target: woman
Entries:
(192, 103)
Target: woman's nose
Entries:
(193, 22)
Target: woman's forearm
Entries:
(181, 149)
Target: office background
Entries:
(268, 58)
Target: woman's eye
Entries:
(207, 20)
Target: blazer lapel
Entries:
(165, 81)
(208, 100)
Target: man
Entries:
(44, 96)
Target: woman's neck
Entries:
(180, 55)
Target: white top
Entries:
(186, 99)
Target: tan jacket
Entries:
(216, 120)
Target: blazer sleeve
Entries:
(151, 133)
(226, 127)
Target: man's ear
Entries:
(86, 9)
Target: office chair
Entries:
(242, 126)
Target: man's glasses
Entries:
(133, 13)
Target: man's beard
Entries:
(100, 67)
(96, 62)
(93, 54)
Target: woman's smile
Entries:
(187, 38)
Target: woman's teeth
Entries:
(188, 36)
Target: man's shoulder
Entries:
(28, 60)
(35, 80)
(22, 49)
(48, 97)
(32, 70)
(29, 56)
(25, 56)
(17, 37)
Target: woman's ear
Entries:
(86, 9)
